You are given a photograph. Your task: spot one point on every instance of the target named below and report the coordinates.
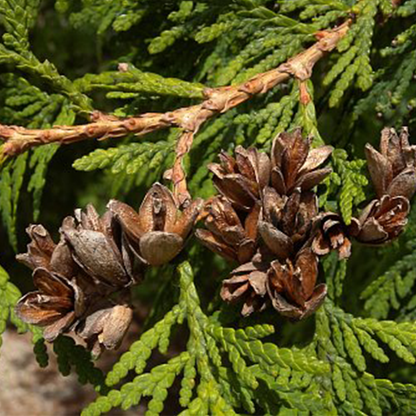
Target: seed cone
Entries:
(383, 220)
(267, 218)
(333, 234)
(392, 170)
(59, 299)
(96, 260)
(295, 164)
(157, 233)
(292, 285)
(288, 220)
(242, 179)
(247, 284)
(98, 248)
(105, 326)
(230, 235)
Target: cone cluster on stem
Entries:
(265, 219)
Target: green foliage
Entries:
(71, 355)
(271, 120)
(335, 272)
(128, 158)
(134, 82)
(393, 92)
(390, 288)
(355, 336)
(10, 185)
(119, 15)
(23, 101)
(17, 17)
(355, 63)
(346, 184)
(346, 342)
(41, 352)
(307, 119)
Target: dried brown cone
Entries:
(242, 179)
(333, 234)
(158, 232)
(287, 221)
(393, 169)
(59, 300)
(247, 284)
(228, 235)
(100, 249)
(292, 286)
(383, 220)
(105, 326)
(295, 164)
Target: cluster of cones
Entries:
(83, 281)
(265, 218)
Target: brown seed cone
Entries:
(43, 252)
(157, 233)
(292, 286)
(55, 305)
(242, 179)
(393, 169)
(247, 284)
(333, 234)
(105, 326)
(383, 220)
(294, 163)
(287, 221)
(59, 299)
(99, 249)
(230, 235)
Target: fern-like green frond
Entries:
(388, 290)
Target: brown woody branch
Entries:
(218, 100)
(177, 174)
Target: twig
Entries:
(218, 100)
(177, 174)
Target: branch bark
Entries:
(177, 174)
(218, 100)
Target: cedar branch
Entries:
(218, 100)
